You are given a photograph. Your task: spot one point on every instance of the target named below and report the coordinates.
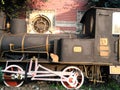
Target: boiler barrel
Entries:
(30, 42)
(25, 42)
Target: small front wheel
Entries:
(72, 77)
(12, 76)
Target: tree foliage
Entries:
(104, 3)
(12, 8)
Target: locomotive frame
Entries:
(69, 79)
(95, 52)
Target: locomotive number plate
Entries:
(77, 49)
(103, 41)
(114, 69)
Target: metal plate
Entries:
(114, 69)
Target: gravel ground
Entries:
(35, 86)
(24, 87)
(109, 85)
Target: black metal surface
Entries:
(18, 26)
(31, 43)
(98, 24)
(2, 20)
(84, 55)
(104, 30)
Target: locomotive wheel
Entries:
(74, 79)
(13, 79)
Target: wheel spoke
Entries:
(74, 79)
(12, 79)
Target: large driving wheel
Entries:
(72, 78)
(12, 76)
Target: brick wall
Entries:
(65, 11)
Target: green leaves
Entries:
(105, 3)
(13, 8)
(2, 1)
(0, 74)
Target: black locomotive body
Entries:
(96, 50)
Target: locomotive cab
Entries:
(99, 42)
(103, 25)
(98, 24)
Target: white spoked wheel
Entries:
(12, 76)
(72, 78)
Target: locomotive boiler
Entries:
(27, 43)
(94, 52)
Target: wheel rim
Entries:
(72, 78)
(13, 79)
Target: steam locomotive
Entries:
(95, 51)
